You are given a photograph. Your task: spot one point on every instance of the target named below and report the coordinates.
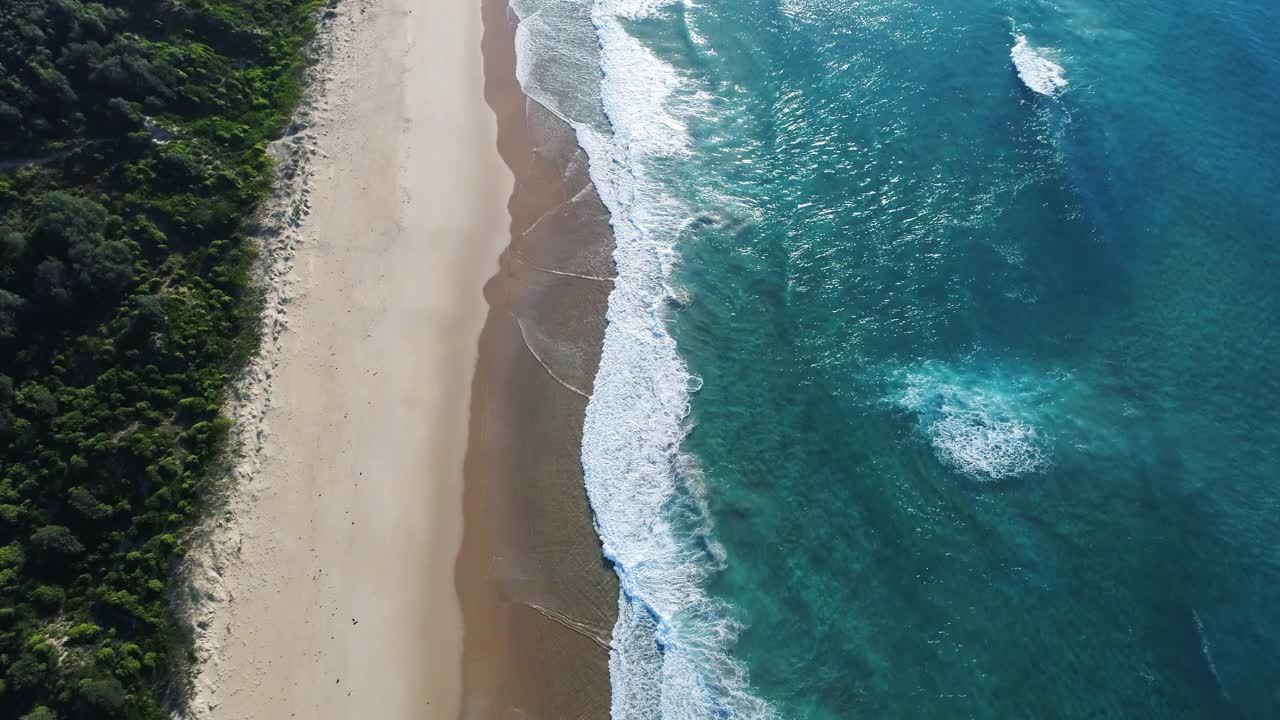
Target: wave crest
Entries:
(984, 428)
(670, 655)
(1037, 72)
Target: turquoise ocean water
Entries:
(940, 375)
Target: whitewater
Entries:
(670, 652)
(1038, 72)
(933, 341)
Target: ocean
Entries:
(939, 375)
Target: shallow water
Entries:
(938, 376)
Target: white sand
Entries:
(326, 589)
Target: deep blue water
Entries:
(936, 384)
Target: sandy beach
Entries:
(539, 602)
(326, 588)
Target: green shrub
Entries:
(12, 556)
(57, 540)
(124, 310)
(49, 597)
(106, 697)
(83, 633)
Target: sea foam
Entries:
(669, 657)
(1036, 71)
(983, 427)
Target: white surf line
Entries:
(581, 628)
(564, 273)
(545, 366)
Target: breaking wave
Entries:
(983, 427)
(1036, 71)
(670, 654)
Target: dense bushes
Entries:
(132, 147)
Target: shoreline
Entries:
(539, 600)
(325, 587)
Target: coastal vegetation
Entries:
(133, 151)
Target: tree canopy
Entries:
(132, 147)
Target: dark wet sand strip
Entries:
(538, 599)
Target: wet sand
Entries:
(538, 599)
